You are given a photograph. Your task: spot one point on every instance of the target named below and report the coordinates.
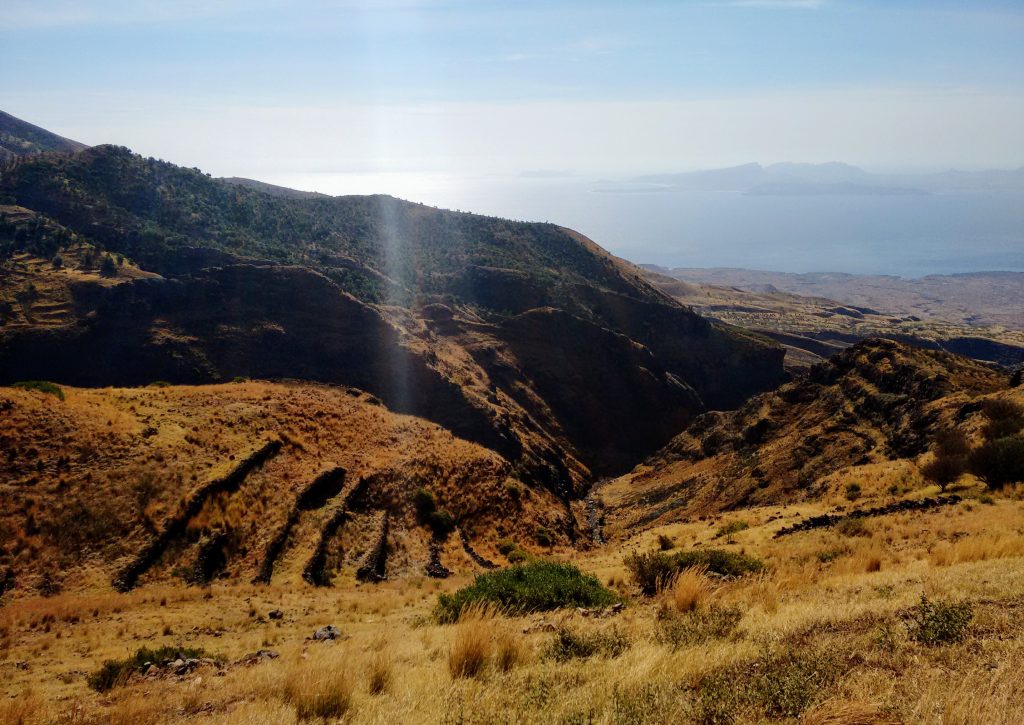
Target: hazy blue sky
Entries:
(271, 89)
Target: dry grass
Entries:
(690, 590)
(318, 689)
(380, 671)
(473, 643)
(484, 669)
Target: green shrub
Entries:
(506, 546)
(934, 623)
(776, 685)
(652, 571)
(42, 386)
(853, 492)
(569, 644)
(441, 523)
(677, 630)
(424, 503)
(513, 490)
(117, 672)
(830, 555)
(666, 543)
(538, 585)
(544, 536)
(731, 528)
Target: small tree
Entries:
(107, 267)
(950, 462)
(998, 462)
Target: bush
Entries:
(934, 623)
(424, 503)
(950, 462)
(322, 694)
(853, 492)
(117, 672)
(42, 386)
(697, 626)
(569, 644)
(1004, 418)
(544, 537)
(539, 585)
(998, 462)
(853, 526)
(666, 543)
(778, 685)
(472, 646)
(655, 570)
(731, 528)
(441, 523)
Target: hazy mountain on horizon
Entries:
(792, 178)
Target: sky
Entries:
(424, 88)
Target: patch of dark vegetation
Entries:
(538, 585)
(826, 520)
(999, 462)
(653, 571)
(733, 527)
(176, 526)
(440, 522)
(42, 386)
(933, 623)
(116, 672)
(211, 559)
(314, 496)
(775, 685)
(677, 630)
(476, 557)
(374, 568)
(570, 644)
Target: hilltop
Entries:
(20, 138)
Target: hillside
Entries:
(867, 416)
(91, 480)
(19, 138)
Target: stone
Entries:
(326, 633)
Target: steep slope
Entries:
(19, 138)
(90, 484)
(879, 401)
(520, 337)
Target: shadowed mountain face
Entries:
(525, 338)
(18, 138)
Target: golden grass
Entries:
(690, 589)
(801, 602)
(319, 689)
(472, 645)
